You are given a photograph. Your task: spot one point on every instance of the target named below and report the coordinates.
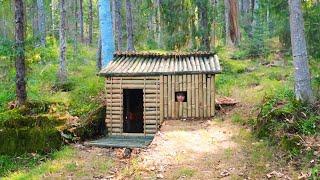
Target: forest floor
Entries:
(221, 148)
(212, 149)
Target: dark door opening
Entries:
(133, 111)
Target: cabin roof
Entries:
(153, 64)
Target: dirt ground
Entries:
(198, 149)
(211, 149)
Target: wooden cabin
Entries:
(144, 89)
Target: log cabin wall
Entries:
(200, 90)
(151, 102)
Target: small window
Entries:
(181, 96)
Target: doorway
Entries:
(133, 111)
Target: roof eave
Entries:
(103, 74)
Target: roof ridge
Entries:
(164, 55)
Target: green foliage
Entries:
(282, 118)
(312, 28)
(14, 163)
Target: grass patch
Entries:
(184, 172)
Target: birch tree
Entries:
(62, 74)
(303, 89)
(20, 58)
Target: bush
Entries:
(283, 119)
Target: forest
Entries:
(267, 96)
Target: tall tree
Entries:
(130, 44)
(234, 22)
(227, 22)
(20, 59)
(62, 74)
(303, 89)
(107, 41)
(158, 23)
(99, 58)
(41, 22)
(204, 24)
(118, 25)
(81, 20)
(90, 22)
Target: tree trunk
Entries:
(234, 22)
(81, 20)
(35, 19)
(118, 24)
(41, 22)
(20, 59)
(99, 58)
(213, 23)
(227, 22)
(75, 31)
(158, 20)
(255, 8)
(303, 89)
(106, 33)
(113, 15)
(129, 26)
(204, 26)
(62, 74)
(90, 22)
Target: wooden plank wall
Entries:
(153, 112)
(200, 96)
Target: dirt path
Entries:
(213, 149)
(198, 149)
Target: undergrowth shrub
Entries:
(284, 120)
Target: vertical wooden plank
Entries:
(197, 95)
(180, 103)
(189, 95)
(209, 95)
(185, 104)
(107, 104)
(157, 103)
(161, 99)
(200, 96)
(173, 106)
(204, 85)
(169, 96)
(165, 97)
(213, 95)
(193, 97)
(121, 108)
(144, 106)
(177, 104)
(111, 106)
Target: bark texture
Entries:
(41, 22)
(62, 74)
(303, 89)
(204, 25)
(118, 25)
(81, 20)
(234, 22)
(227, 22)
(90, 22)
(106, 33)
(130, 43)
(20, 58)
(99, 58)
